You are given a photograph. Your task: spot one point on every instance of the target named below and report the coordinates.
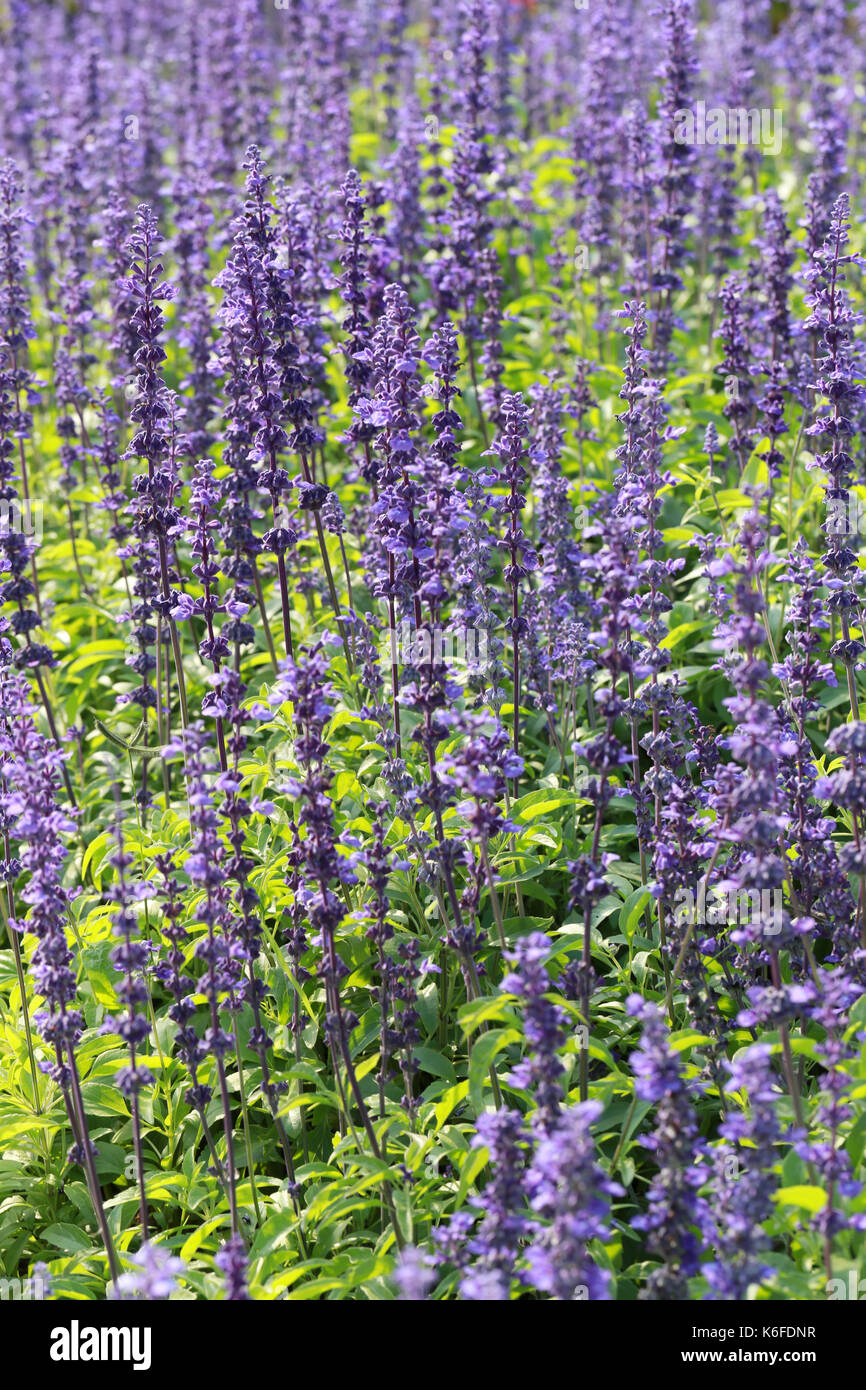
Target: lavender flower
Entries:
(231, 1260)
(510, 449)
(155, 1276)
(131, 960)
(676, 1215)
(544, 1026)
(413, 1275)
(569, 1197)
(496, 1241)
(743, 1182)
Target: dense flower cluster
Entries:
(432, 753)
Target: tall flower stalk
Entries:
(40, 824)
(156, 512)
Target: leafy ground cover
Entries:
(432, 775)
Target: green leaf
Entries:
(136, 750)
(100, 1099)
(472, 1165)
(632, 910)
(67, 1238)
(536, 804)
(680, 1042)
(450, 1101)
(16, 1129)
(679, 634)
(199, 1235)
(434, 1063)
(483, 1010)
(814, 1199)
(484, 1050)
